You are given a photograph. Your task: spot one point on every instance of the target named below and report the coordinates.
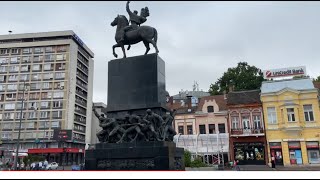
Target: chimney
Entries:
(231, 87)
(225, 94)
(189, 103)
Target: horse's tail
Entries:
(155, 35)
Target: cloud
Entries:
(197, 40)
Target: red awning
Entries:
(55, 150)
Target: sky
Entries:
(198, 40)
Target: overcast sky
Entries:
(197, 40)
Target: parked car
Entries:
(52, 166)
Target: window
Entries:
(24, 77)
(212, 129)
(235, 122)
(58, 94)
(7, 125)
(6, 135)
(61, 57)
(56, 114)
(290, 114)
(24, 68)
(12, 87)
(38, 50)
(308, 112)
(10, 106)
(181, 130)
(18, 115)
(49, 57)
(8, 115)
(36, 77)
(202, 129)
(49, 49)
(46, 85)
(13, 68)
(57, 104)
(32, 115)
(15, 60)
(4, 60)
(55, 124)
(44, 114)
(62, 48)
(34, 86)
(15, 51)
(257, 121)
(25, 59)
(189, 129)
(43, 124)
(48, 76)
(30, 125)
(272, 116)
(36, 67)
(13, 78)
(60, 75)
(222, 128)
(44, 104)
(47, 67)
(4, 51)
(210, 109)
(46, 95)
(27, 50)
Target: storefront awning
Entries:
(55, 150)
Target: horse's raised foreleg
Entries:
(147, 47)
(113, 48)
(124, 51)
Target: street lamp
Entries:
(25, 85)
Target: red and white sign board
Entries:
(284, 72)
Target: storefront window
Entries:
(295, 154)
(313, 152)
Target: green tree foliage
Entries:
(317, 80)
(187, 158)
(242, 77)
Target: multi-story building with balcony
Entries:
(246, 127)
(292, 121)
(201, 126)
(57, 68)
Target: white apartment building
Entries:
(58, 69)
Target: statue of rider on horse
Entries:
(134, 33)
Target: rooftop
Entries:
(221, 102)
(296, 84)
(183, 94)
(16, 37)
(244, 97)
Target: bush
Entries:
(187, 158)
(198, 163)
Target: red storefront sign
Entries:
(275, 147)
(55, 150)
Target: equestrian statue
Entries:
(134, 33)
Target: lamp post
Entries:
(19, 133)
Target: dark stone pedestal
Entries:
(136, 84)
(135, 156)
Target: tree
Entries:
(317, 80)
(242, 77)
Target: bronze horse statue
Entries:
(146, 34)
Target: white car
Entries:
(52, 166)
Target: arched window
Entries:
(210, 109)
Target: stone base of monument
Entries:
(135, 156)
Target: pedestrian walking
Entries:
(273, 162)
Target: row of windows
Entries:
(202, 129)
(38, 95)
(33, 86)
(34, 67)
(34, 59)
(35, 105)
(31, 115)
(291, 115)
(31, 125)
(35, 50)
(34, 76)
(26, 135)
(246, 123)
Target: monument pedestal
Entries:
(135, 156)
(136, 84)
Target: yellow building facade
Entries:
(292, 121)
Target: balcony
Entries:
(80, 112)
(81, 102)
(247, 132)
